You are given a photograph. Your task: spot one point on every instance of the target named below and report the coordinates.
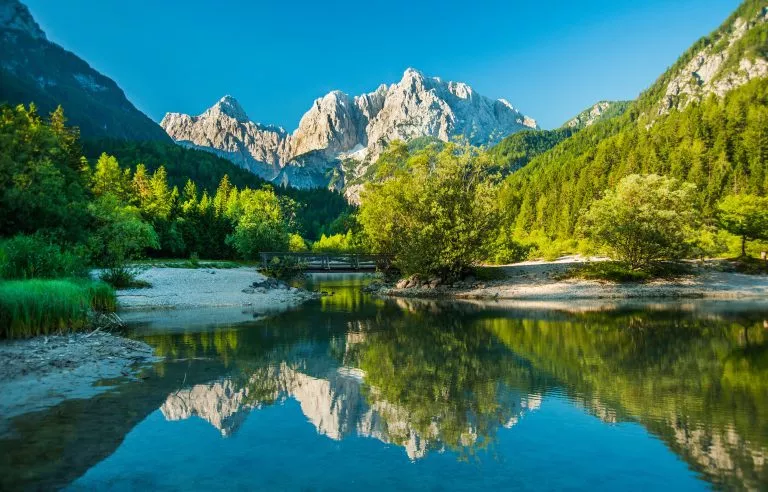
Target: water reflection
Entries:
(453, 379)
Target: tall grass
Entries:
(41, 307)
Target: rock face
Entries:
(340, 127)
(720, 66)
(600, 111)
(33, 69)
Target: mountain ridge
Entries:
(34, 69)
(339, 126)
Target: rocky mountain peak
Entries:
(340, 127)
(229, 106)
(15, 16)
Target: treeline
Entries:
(720, 145)
(315, 209)
(53, 199)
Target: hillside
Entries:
(715, 136)
(602, 110)
(35, 70)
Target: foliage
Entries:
(24, 257)
(259, 222)
(436, 214)
(314, 209)
(284, 268)
(37, 307)
(119, 234)
(644, 220)
(296, 244)
(338, 243)
(517, 150)
(123, 277)
(745, 216)
(41, 184)
(720, 145)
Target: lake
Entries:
(354, 392)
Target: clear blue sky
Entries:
(549, 58)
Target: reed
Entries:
(43, 307)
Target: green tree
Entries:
(644, 220)
(745, 216)
(259, 225)
(436, 214)
(108, 177)
(119, 234)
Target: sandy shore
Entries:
(538, 280)
(204, 288)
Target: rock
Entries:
(707, 71)
(596, 113)
(247, 291)
(434, 283)
(340, 127)
(402, 283)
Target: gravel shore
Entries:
(539, 280)
(203, 287)
(39, 372)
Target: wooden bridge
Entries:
(324, 262)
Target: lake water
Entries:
(352, 392)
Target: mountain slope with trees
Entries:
(35, 70)
(718, 142)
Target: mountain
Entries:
(702, 121)
(33, 69)
(600, 111)
(340, 127)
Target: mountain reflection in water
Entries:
(446, 379)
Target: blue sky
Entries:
(549, 58)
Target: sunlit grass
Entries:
(42, 307)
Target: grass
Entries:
(614, 271)
(43, 307)
(123, 278)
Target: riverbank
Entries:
(40, 372)
(543, 280)
(43, 371)
(175, 288)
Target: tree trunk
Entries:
(743, 246)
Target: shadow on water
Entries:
(434, 380)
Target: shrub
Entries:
(644, 220)
(122, 277)
(38, 307)
(24, 257)
(297, 244)
(337, 243)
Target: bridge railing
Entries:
(332, 261)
